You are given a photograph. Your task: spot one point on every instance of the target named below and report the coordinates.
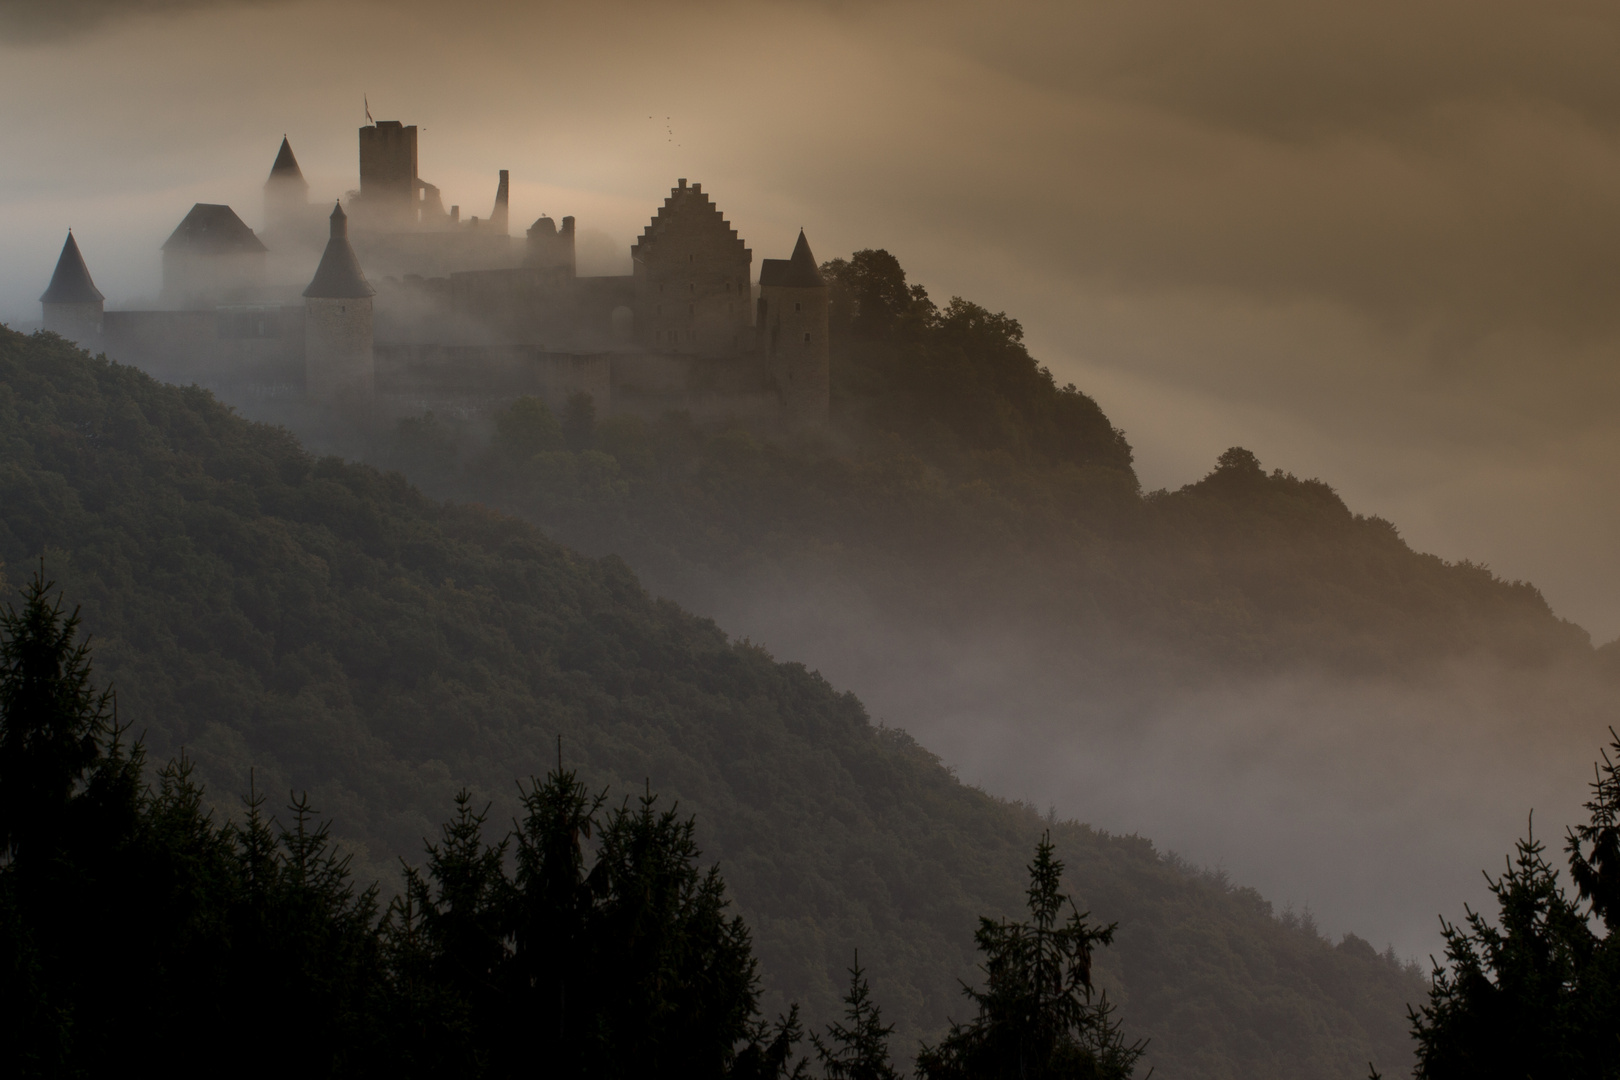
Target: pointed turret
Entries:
(339, 276)
(71, 283)
(286, 201)
(792, 334)
(802, 272)
(339, 365)
(72, 304)
(286, 169)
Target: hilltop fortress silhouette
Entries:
(409, 308)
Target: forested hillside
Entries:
(328, 628)
(961, 486)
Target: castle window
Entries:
(796, 307)
(807, 339)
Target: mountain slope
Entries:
(329, 628)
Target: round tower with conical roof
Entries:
(72, 304)
(338, 360)
(792, 328)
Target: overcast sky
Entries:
(1375, 243)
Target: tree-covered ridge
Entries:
(960, 485)
(329, 627)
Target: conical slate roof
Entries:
(798, 272)
(71, 283)
(286, 167)
(339, 276)
(213, 229)
(802, 272)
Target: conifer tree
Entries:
(1037, 1019)
(552, 909)
(1594, 848)
(52, 720)
(684, 986)
(1506, 1002)
(455, 918)
(857, 1049)
(1536, 993)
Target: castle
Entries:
(411, 308)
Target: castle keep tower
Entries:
(338, 360)
(692, 279)
(388, 180)
(792, 332)
(73, 305)
(286, 193)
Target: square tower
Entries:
(692, 276)
(388, 180)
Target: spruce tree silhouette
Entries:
(1037, 1017)
(552, 912)
(857, 1049)
(52, 720)
(1594, 848)
(1535, 995)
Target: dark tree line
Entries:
(136, 931)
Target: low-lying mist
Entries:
(1375, 803)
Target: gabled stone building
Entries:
(212, 258)
(692, 276)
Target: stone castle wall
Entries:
(226, 346)
(797, 353)
(193, 279)
(476, 381)
(79, 323)
(338, 357)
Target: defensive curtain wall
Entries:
(392, 301)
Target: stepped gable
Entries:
(71, 283)
(213, 229)
(286, 167)
(686, 208)
(339, 276)
(796, 272)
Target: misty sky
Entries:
(1375, 243)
